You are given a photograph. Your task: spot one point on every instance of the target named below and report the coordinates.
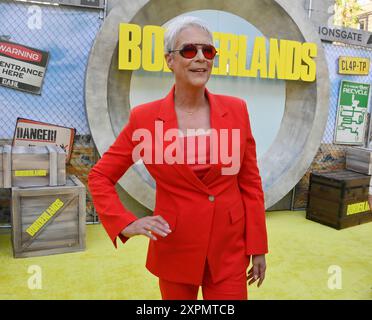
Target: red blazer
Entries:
(220, 218)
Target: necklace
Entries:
(189, 112)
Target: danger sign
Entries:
(22, 68)
(35, 133)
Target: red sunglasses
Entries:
(190, 50)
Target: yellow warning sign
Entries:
(354, 65)
(357, 208)
(30, 173)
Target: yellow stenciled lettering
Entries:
(242, 58)
(259, 60)
(31, 230)
(228, 59)
(59, 202)
(309, 51)
(277, 59)
(293, 60)
(129, 50)
(153, 48)
(357, 208)
(216, 38)
(45, 217)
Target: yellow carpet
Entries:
(301, 251)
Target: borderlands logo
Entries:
(271, 59)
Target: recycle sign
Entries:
(352, 113)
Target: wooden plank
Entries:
(325, 192)
(67, 215)
(349, 180)
(70, 187)
(61, 165)
(82, 212)
(364, 155)
(339, 175)
(359, 164)
(16, 222)
(332, 207)
(53, 241)
(52, 166)
(47, 252)
(319, 216)
(40, 203)
(335, 195)
(30, 161)
(359, 157)
(64, 243)
(59, 231)
(323, 221)
(363, 158)
(25, 182)
(7, 166)
(62, 219)
(57, 235)
(54, 227)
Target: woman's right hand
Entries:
(147, 226)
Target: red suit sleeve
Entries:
(250, 186)
(102, 179)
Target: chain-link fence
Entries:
(67, 33)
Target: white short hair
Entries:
(176, 25)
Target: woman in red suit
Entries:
(209, 216)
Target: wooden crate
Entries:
(34, 166)
(339, 199)
(359, 160)
(5, 162)
(48, 220)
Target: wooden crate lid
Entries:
(5, 162)
(358, 153)
(37, 149)
(359, 148)
(350, 178)
(72, 183)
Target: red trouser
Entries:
(232, 288)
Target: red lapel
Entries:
(218, 120)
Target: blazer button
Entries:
(211, 198)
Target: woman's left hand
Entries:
(257, 272)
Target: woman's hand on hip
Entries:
(257, 272)
(147, 226)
